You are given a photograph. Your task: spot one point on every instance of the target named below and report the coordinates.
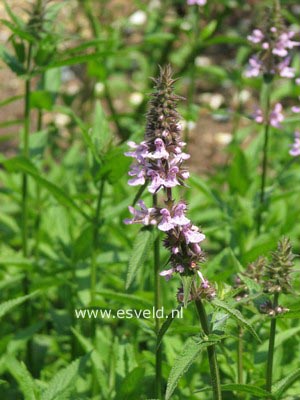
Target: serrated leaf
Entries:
(253, 286)
(236, 315)
(63, 381)
(243, 388)
(281, 386)
(192, 349)
(187, 284)
(141, 248)
(280, 338)
(10, 304)
(25, 381)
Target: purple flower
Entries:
(256, 36)
(284, 44)
(285, 71)
(168, 273)
(143, 216)
(166, 223)
(295, 109)
(255, 67)
(191, 234)
(276, 116)
(171, 178)
(156, 181)
(160, 150)
(295, 150)
(139, 171)
(258, 116)
(178, 214)
(140, 151)
(198, 2)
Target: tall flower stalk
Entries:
(277, 280)
(273, 46)
(159, 163)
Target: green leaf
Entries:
(26, 383)
(253, 286)
(131, 385)
(141, 248)
(187, 284)
(165, 326)
(115, 165)
(250, 389)
(10, 304)
(236, 315)
(281, 337)
(83, 244)
(192, 349)
(159, 37)
(208, 30)
(63, 382)
(41, 99)
(284, 384)
(11, 61)
(124, 298)
(238, 176)
(100, 134)
(22, 164)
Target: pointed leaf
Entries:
(10, 304)
(236, 315)
(26, 383)
(192, 349)
(284, 384)
(141, 248)
(63, 382)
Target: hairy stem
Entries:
(157, 305)
(270, 358)
(265, 156)
(211, 351)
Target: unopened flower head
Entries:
(277, 272)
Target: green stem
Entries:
(265, 156)
(24, 206)
(269, 371)
(95, 243)
(157, 305)
(240, 356)
(211, 351)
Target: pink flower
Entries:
(284, 43)
(140, 150)
(171, 178)
(284, 70)
(255, 67)
(156, 181)
(143, 216)
(178, 214)
(198, 2)
(139, 171)
(166, 223)
(192, 234)
(258, 116)
(295, 109)
(295, 150)
(168, 273)
(256, 36)
(276, 116)
(160, 151)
